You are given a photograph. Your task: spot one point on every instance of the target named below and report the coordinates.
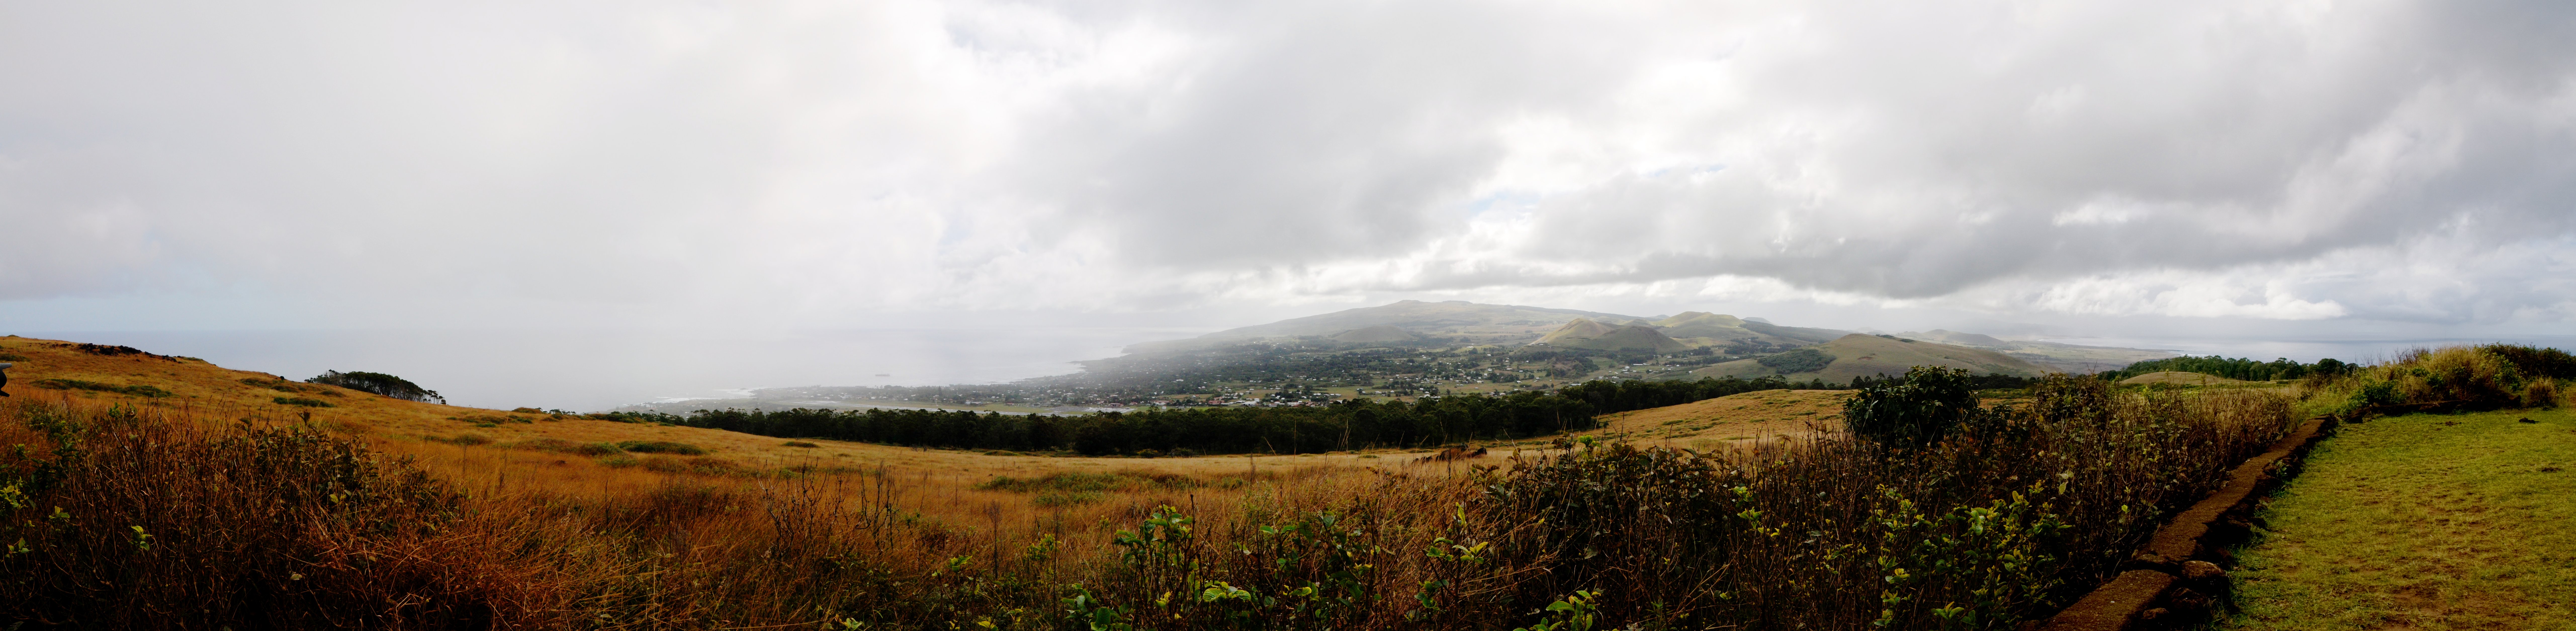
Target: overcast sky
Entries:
(2230, 165)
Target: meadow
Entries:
(215, 506)
(132, 514)
(2425, 521)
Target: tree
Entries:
(378, 383)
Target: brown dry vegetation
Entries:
(216, 507)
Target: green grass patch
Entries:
(662, 447)
(75, 384)
(310, 403)
(2424, 522)
(468, 440)
(1074, 483)
(561, 446)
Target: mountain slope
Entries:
(1585, 333)
(1469, 322)
(1379, 333)
(1858, 355)
(2069, 358)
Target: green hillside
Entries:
(1858, 355)
(1586, 333)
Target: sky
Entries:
(2132, 171)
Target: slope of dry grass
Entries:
(1743, 417)
(215, 507)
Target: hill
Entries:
(1468, 322)
(57, 370)
(1585, 333)
(2067, 358)
(1858, 355)
(1748, 416)
(1376, 334)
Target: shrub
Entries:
(2541, 393)
(179, 524)
(2534, 361)
(310, 403)
(2460, 376)
(378, 383)
(662, 447)
(798, 443)
(1915, 411)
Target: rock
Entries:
(2202, 570)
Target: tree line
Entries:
(2232, 368)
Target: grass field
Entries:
(2423, 522)
(1714, 422)
(499, 453)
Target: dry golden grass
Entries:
(1768, 414)
(936, 485)
(205, 390)
(760, 534)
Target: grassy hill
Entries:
(1749, 416)
(1858, 355)
(49, 370)
(1585, 333)
(2068, 358)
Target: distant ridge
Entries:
(1463, 321)
(1858, 355)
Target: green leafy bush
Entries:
(310, 403)
(1915, 411)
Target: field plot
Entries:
(2423, 522)
(1749, 416)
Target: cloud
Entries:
(819, 162)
